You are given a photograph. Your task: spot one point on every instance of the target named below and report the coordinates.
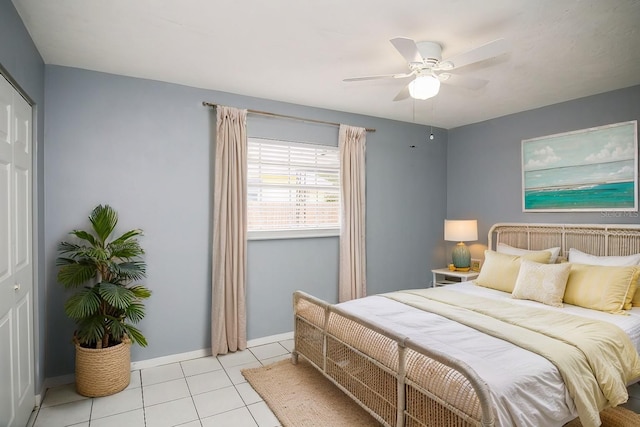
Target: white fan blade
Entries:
(463, 81)
(403, 94)
(481, 53)
(382, 76)
(408, 49)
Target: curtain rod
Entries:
(265, 113)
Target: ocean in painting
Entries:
(617, 195)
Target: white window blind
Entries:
(293, 189)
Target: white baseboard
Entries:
(164, 360)
(270, 339)
(172, 358)
(57, 381)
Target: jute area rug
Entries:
(302, 397)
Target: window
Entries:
(293, 189)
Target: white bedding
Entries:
(526, 388)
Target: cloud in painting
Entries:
(611, 152)
(542, 158)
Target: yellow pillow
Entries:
(636, 297)
(500, 271)
(600, 287)
(544, 283)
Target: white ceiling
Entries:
(300, 50)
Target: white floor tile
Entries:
(240, 417)
(165, 392)
(135, 381)
(268, 350)
(238, 358)
(61, 394)
(64, 414)
(248, 394)
(200, 366)
(175, 395)
(288, 344)
(171, 413)
(208, 381)
(271, 360)
(133, 418)
(263, 415)
(217, 401)
(161, 374)
(125, 401)
(236, 376)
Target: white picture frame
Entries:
(588, 170)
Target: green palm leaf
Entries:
(135, 312)
(108, 270)
(84, 303)
(104, 220)
(68, 248)
(116, 295)
(90, 330)
(80, 234)
(135, 335)
(117, 329)
(125, 250)
(75, 274)
(126, 236)
(140, 291)
(131, 270)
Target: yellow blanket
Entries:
(595, 359)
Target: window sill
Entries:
(292, 234)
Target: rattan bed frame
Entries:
(401, 383)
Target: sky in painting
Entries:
(601, 155)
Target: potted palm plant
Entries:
(107, 301)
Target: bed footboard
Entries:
(397, 381)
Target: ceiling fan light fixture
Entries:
(424, 87)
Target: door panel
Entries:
(24, 379)
(7, 396)
(17, 395)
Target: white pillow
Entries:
(544, 283)
(510, 250)
(578, 257)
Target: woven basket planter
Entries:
(105, 371)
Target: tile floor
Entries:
(203, 392)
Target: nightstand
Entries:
(444, 276)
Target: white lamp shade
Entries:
(461, 230)
(424, 87)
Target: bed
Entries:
(413, 367)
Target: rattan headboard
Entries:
(595, 239)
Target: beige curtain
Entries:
(228, 322)
(352, 280)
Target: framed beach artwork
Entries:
(587, 170)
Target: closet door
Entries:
(17, 397)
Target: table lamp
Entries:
(461, 231)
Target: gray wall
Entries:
(144, 147)
(21, 60)
(483, 160)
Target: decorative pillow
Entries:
(578, 257)
(635, 301)
(500, 271)
(544, 283)
(601, 287)
(506, 249)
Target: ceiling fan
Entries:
(426, 64)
